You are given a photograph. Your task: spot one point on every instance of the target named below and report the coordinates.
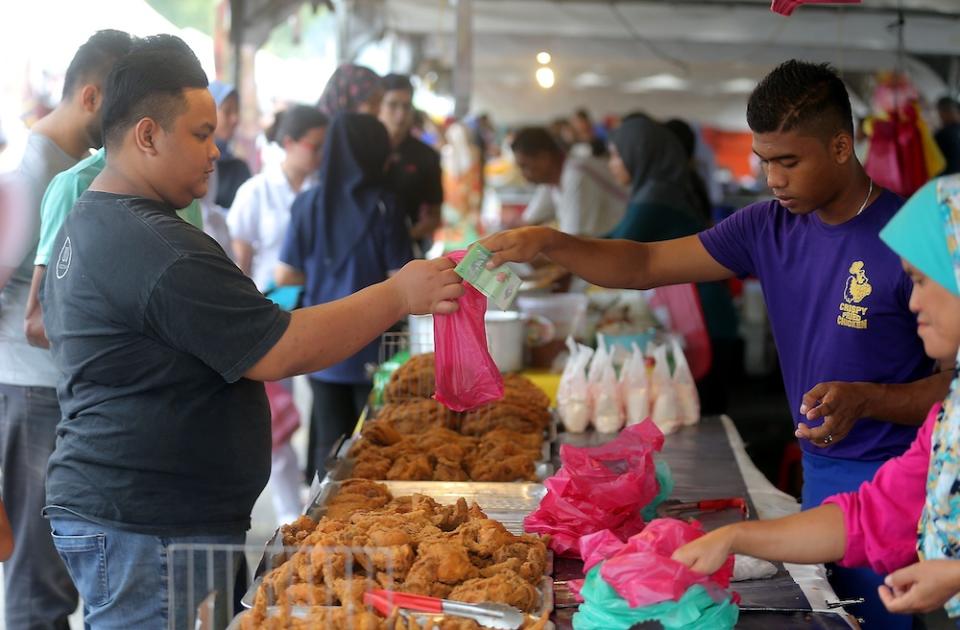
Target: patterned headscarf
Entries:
(348, 88)
(937, 206)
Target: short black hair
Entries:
(798, 95)
(583, 114)
(149, 82)
(295, 122)
(534, 141)
(397, 82)
(95, 58)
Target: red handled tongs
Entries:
(487, 614)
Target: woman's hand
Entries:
(921, 587)
(708, 553)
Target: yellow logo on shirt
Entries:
(857, 289)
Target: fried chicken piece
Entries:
(422, 578)
(294, 533)
(505, 587)
(513, 468)
(413, 416)
(415, 467)
(371, 465)
(483, 536)
(449, 470)
(396, 559)
(453, 566)
(505, 415)
(309, 595)
(522, 390)
(414, 379)
(378, 433)
(532, 442)
(357, 494)
(527, 556)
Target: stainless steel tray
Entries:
(545, 590)
(423, 620)
(342, 469)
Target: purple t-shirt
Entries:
(837, 299)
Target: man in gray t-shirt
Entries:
(38, 590)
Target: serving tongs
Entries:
(487, 614)
(677, 509)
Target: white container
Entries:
(506, 334)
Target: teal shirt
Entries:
(66, 188)
(646, 222)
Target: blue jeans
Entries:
(126, 579)
(826, 476)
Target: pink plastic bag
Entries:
(466, 375)
(642, 572)
(284, 417)
(599, 488)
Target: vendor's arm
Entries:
(809, 537)
(842, 404)
(323, 335)
(611, 263)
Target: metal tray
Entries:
(342, 470)
(422, 619)
(545, 590)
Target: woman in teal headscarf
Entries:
(878, 524)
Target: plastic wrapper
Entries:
(643, 573)
(604, 391)
(466, 375)
(598, 488)
(688, 400)
(573, 393)
(665, 481)
(697, 609)
(635, 387)
(666, 408)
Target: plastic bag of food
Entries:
(698, 609)
(688, 400)
(466, 375)
(599, 488)
(643, 573)
(573, 392)
(666, 407)
(635, 387)
(604, 391)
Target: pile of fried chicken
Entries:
(415, 438)
(368, 539)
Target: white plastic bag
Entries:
(573, 394)
(604, 390)
(683, 383)
(635, 387)
(666, 412)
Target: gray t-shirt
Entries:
(153, 328)
(20, 363)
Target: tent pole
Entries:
(463, 70)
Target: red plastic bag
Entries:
(466, 375)
(599, 488)
(642, 572)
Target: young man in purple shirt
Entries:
(856, 376)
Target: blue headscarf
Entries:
(350, 193)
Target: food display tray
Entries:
(342, 469)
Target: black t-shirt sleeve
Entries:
(203, 305)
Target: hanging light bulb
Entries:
(545, 77)
(543, 58)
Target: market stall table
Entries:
(708, 461)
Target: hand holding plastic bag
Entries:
(466, 375)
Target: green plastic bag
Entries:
(665, 481)
(382, 376)
(604, 609)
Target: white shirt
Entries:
(260, 215)
(587, 202)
